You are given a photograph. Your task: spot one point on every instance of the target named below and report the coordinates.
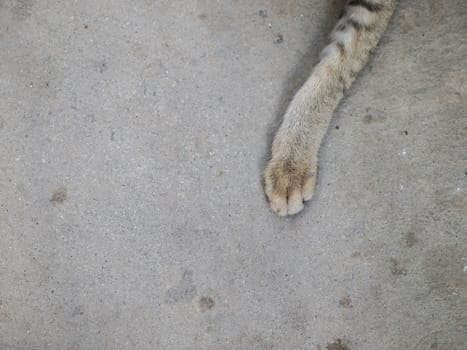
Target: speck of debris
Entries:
(406, 132)
(263, 13)
(103, 66)
(86, 26)
(337, 127)
(279, 38)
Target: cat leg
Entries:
(290, 175)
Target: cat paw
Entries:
(288, 184)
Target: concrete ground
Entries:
(132, 139)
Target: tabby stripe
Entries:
(341, 48)
(341, 27)
(355, 24)
(366, 4)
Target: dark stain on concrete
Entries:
(206, 303)
(263, 13)
(259, 343)
(298, 319)
(279, 38)
(337, 345)
(346, 302)
(374, 116)
(184, 291)
(59, 196)
(445, 270)
(77, 311)
(22, 9)
(410, 239)
(445, 339)
(370, 119)
(396, 268)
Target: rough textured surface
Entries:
(133, 137)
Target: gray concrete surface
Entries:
(132, 138)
